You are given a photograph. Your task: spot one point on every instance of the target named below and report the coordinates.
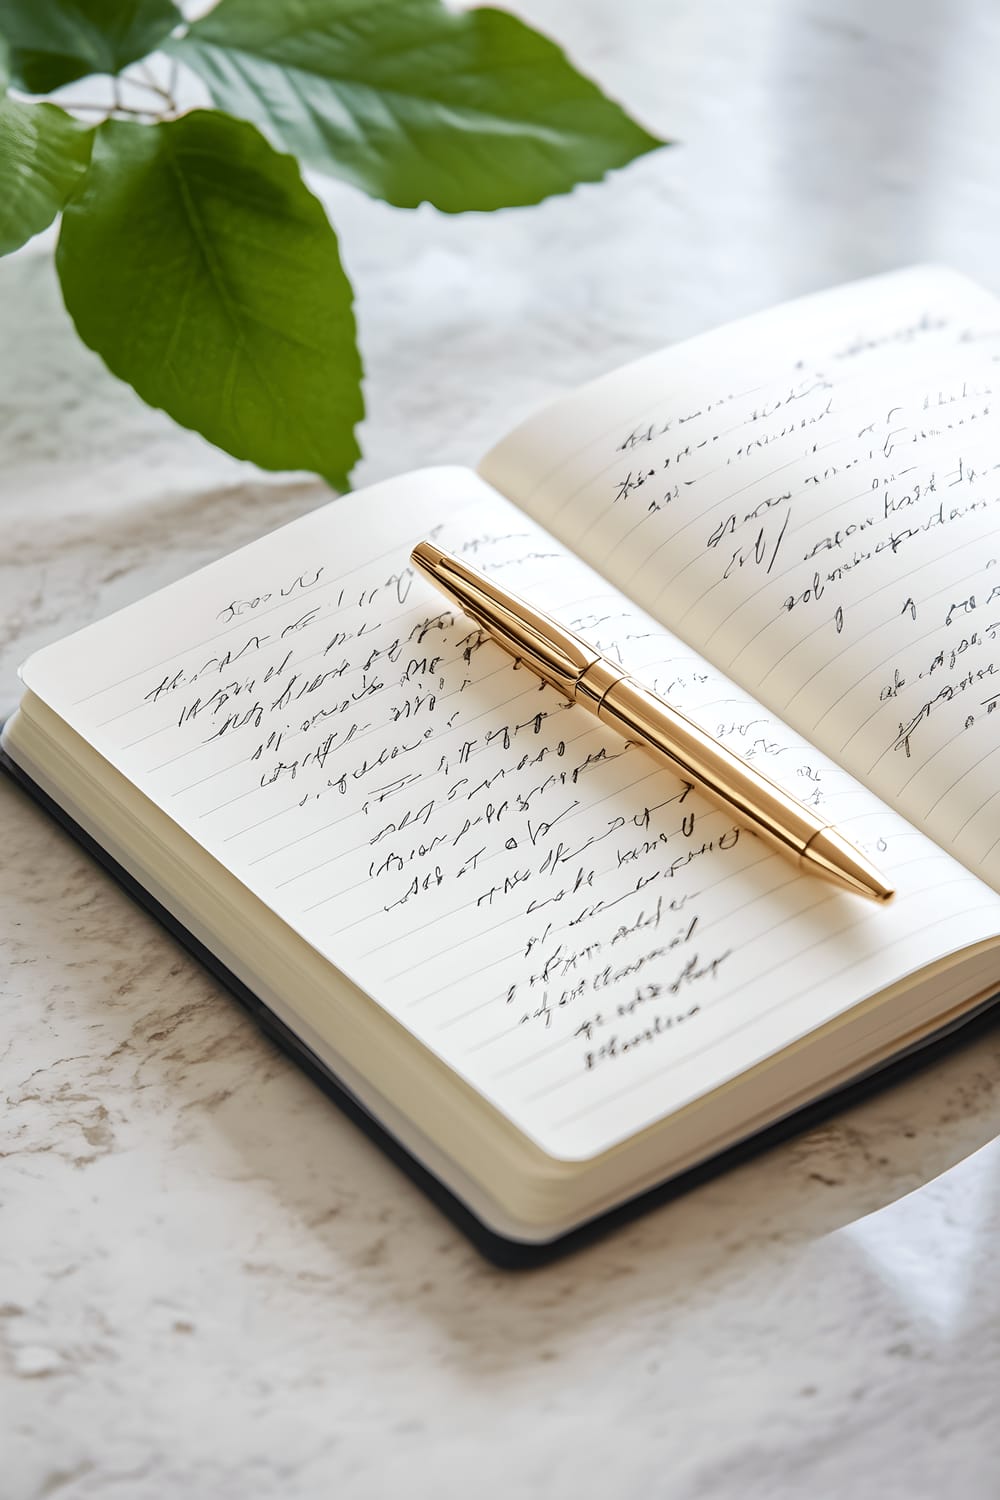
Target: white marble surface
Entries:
(210, 1284)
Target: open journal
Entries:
(551, 970)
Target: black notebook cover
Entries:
(506, 1253)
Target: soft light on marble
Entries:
(210, 1283)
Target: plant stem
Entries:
(107, 110)
(147, 81)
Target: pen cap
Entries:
(554, 654)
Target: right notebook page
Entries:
(811, 499)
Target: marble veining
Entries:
(210, 1283)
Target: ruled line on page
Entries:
(787, 877)
(657, 1075)
(411, 612)
(220, 635)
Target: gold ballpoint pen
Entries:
(582, 674)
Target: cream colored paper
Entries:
(811, 498)
(577, 933)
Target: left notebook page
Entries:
(575, 932)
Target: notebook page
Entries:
(573, 930)
(812, 499)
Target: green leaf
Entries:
(198, 265)
(43, 155)
(411, 101)
(52, 42)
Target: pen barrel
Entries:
(753, 798)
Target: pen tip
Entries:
(831, 856)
